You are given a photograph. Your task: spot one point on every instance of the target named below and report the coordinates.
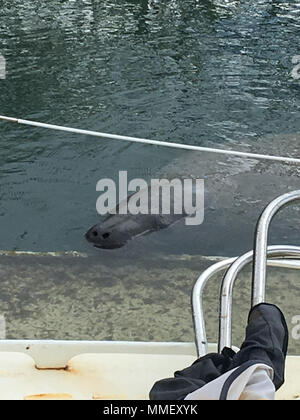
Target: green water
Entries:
(214, 73)
(200, 72)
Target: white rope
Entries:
(153, 142)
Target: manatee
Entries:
(118, 228)
(236, 191)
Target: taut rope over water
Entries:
(284, 159)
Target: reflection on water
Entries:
(201, 72)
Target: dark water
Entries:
(200, 72)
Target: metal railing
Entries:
(198, 290)
(225, 318)
(261, 240)
(234, 266)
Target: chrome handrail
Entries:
(225, 325)
(197, 303)
(260, 246)
(197, 297)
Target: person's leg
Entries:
(266, 340)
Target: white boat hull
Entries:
(87, 370)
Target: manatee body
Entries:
(236, 191)
(118, 228)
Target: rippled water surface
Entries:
(199, 72)
(210, 73)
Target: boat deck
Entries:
(34, 370)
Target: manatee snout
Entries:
(104, 238)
